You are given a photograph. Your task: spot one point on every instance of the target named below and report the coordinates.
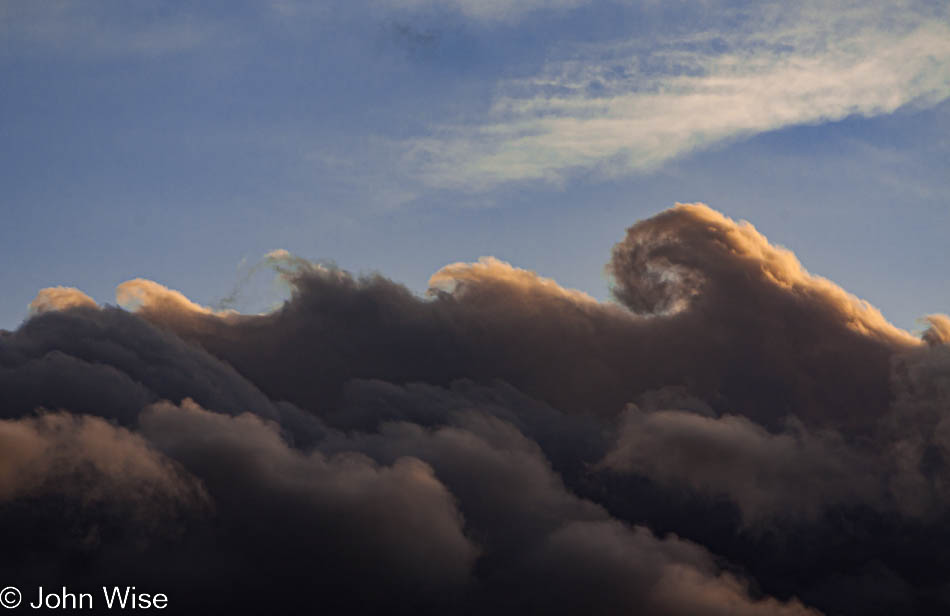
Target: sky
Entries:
(476, 307)
(182, 143)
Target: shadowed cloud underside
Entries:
(733, 435)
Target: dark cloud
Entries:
(342, 524)
(791, 473)
(89, 461)
(733, 436)
(717, 310)
(79, 496)
(108, 362)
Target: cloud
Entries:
(733, 434)
(90, 460)
(79, 496)
(344, 517)
(786, 348)
(515, 503)
(791, 473)
(139, 291)
(939, 330)
(109, 363)
(453, 279)
(60, 298)
(623, 107)
(634, 568)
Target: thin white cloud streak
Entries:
(545, 127)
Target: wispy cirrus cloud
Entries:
(629, 106)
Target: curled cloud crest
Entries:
(693, 252)
(939, 330)
(140, 292)
(453, 279)
(60, 298)
(473, 451)
(783, 349)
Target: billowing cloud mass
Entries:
(732, 435)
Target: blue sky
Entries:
(182, 143)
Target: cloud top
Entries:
(731, 435)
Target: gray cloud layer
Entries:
(735, 436)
